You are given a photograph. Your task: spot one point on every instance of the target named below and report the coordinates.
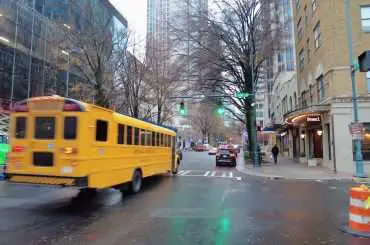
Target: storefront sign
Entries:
(313, 119)
(357, 131)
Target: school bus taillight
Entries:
(18, 148)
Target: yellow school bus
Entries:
(65, 142)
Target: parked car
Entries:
(213, 151)
(225, 157)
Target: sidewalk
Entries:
(288, 169)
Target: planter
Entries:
(303, 160)
(312, 163)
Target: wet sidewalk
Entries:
(288, 169)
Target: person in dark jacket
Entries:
(275, 153)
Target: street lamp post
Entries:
(359, 164)
(68, 64)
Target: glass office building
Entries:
(32, 36)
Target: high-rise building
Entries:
(169, 27)
(280, 76)
(324, 110)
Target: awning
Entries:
(308, 114)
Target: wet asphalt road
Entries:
(204, 205)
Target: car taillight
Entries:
(18, 148)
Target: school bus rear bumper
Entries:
(80, 182)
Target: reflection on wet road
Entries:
(193, 208)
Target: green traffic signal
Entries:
(221, 110)
(241, 95)
(183, 110)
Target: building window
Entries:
(290, 59)
(314, 6)
(308, 51)
(368, 81)
(281, 64)
(300, 29)
(329, 141)
(301, 59)
(317, 34)
(365, 143)
(365, 18)
(305, 15)
(320, 88)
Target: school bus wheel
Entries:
(136, 182)
(176, 169)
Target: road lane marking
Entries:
(185, 172)
(208, 174)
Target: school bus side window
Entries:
(136, 136)
(129, 135)
(142, 134)
(101, 130)
(20, 127)
(153, 138)
(121, 134)
(157, 139)
(162, 140)
(148, 138)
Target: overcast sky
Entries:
(135, 13)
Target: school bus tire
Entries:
(176, 169)
(136, 182)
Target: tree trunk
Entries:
(159, 114)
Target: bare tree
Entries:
(248, 33)
(95, 45)
(132, 82)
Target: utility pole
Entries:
(359, 164)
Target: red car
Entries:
(200, 148)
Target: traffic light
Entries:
(364, 61)
(183, 110)
(220, 109)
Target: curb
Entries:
(277, 177)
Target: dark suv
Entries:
(225, 157)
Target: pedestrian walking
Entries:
(275, 153)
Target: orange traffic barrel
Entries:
(359, 212)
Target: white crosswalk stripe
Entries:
(208, 174)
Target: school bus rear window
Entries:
(20, 127)
(70, 128)
(45, 128)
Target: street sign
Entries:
(241, 95)
(357, 130)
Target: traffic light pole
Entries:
(359, 164)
